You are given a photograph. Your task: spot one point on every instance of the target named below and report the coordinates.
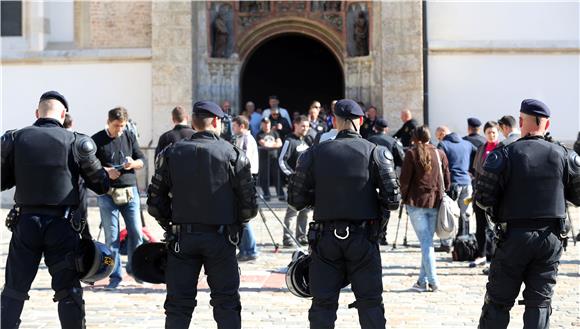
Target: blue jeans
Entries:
(248, 244)
(423, 221)
(110, 220)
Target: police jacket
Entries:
(530, 179)
(404, 133)
(203, 180)
(476, 139)
(178, 133)
(44, 162)
(293, 147)
(459, 154)
(393, 145)
(340, 178)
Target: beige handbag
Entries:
(121, 195)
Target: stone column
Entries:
(171, 43)
(397, 40)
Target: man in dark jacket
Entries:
(180, 131)
(404, 133)
(458, 152)
(473, 136)
(295, 144)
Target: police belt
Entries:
(201, 228)
(55, 211)
(339, 224)
(534, 225)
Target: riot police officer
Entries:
(524, 190)
(44, 162)
(340, 178)
(201, 194)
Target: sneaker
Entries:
(113, 284)
(287, 244)
(443, 249)
(383, 242)
(485, 271)
(282, 197)
(303, 241)
(433, 287)
(419, 287)
(267, 197)
(478, 261)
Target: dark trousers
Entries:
(34, 236)
(269, 172)
(525, 256)
(218, 256)
(483, 234)
(333, 261)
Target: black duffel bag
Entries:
(464, 248)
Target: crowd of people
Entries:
(203, 194)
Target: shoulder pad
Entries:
(574, 160)
(241, 160)
(160, 158)
(306, 158)
(84, 145)
(8, 141)
(496, 161)
(382, 155)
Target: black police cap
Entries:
(473, 122)
(381, 123)
(54, 95)
(347, 108)
(209, 108)
(535, 107)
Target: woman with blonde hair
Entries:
(422, 193)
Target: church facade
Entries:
(443, 61)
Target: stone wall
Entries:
(118, 24)
(399, 59)
(172, 70)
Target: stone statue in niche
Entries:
(361, 35)
(325, 5)
(221, 33)
(254, 6)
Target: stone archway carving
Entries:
(290, 25)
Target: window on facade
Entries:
(11, 18)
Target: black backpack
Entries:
(464, 248)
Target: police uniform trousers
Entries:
(33, 237)
(217, 255)
(530, 256)
(355, 259)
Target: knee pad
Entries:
(227, 302)
(14, 294)
(536, 303)
(74, 294)
(366, 304)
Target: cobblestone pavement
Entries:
(268, 304)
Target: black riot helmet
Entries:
(149, 262)
(297, 279)
(96, 261)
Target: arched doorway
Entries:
(296, 68)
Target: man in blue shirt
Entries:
(458, 152)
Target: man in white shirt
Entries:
(244, 140)
(274, 103)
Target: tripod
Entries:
(406, 228)
(286, 229)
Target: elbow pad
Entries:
(386, 178)
(244, 188)
(84, 151)
(572, 191)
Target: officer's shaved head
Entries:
(533, 125)
(51, 108)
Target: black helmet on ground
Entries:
(96, 261)
(149, 262)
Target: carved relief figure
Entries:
(361, 34)
(221, 34)
(254, 6)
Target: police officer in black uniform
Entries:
(524, 190)
(201, 194)
(44, 162)
(340, 178)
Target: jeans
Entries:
(110, 220)
(463, 192)
(248, 244)
(301, 222)
(423, 221)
